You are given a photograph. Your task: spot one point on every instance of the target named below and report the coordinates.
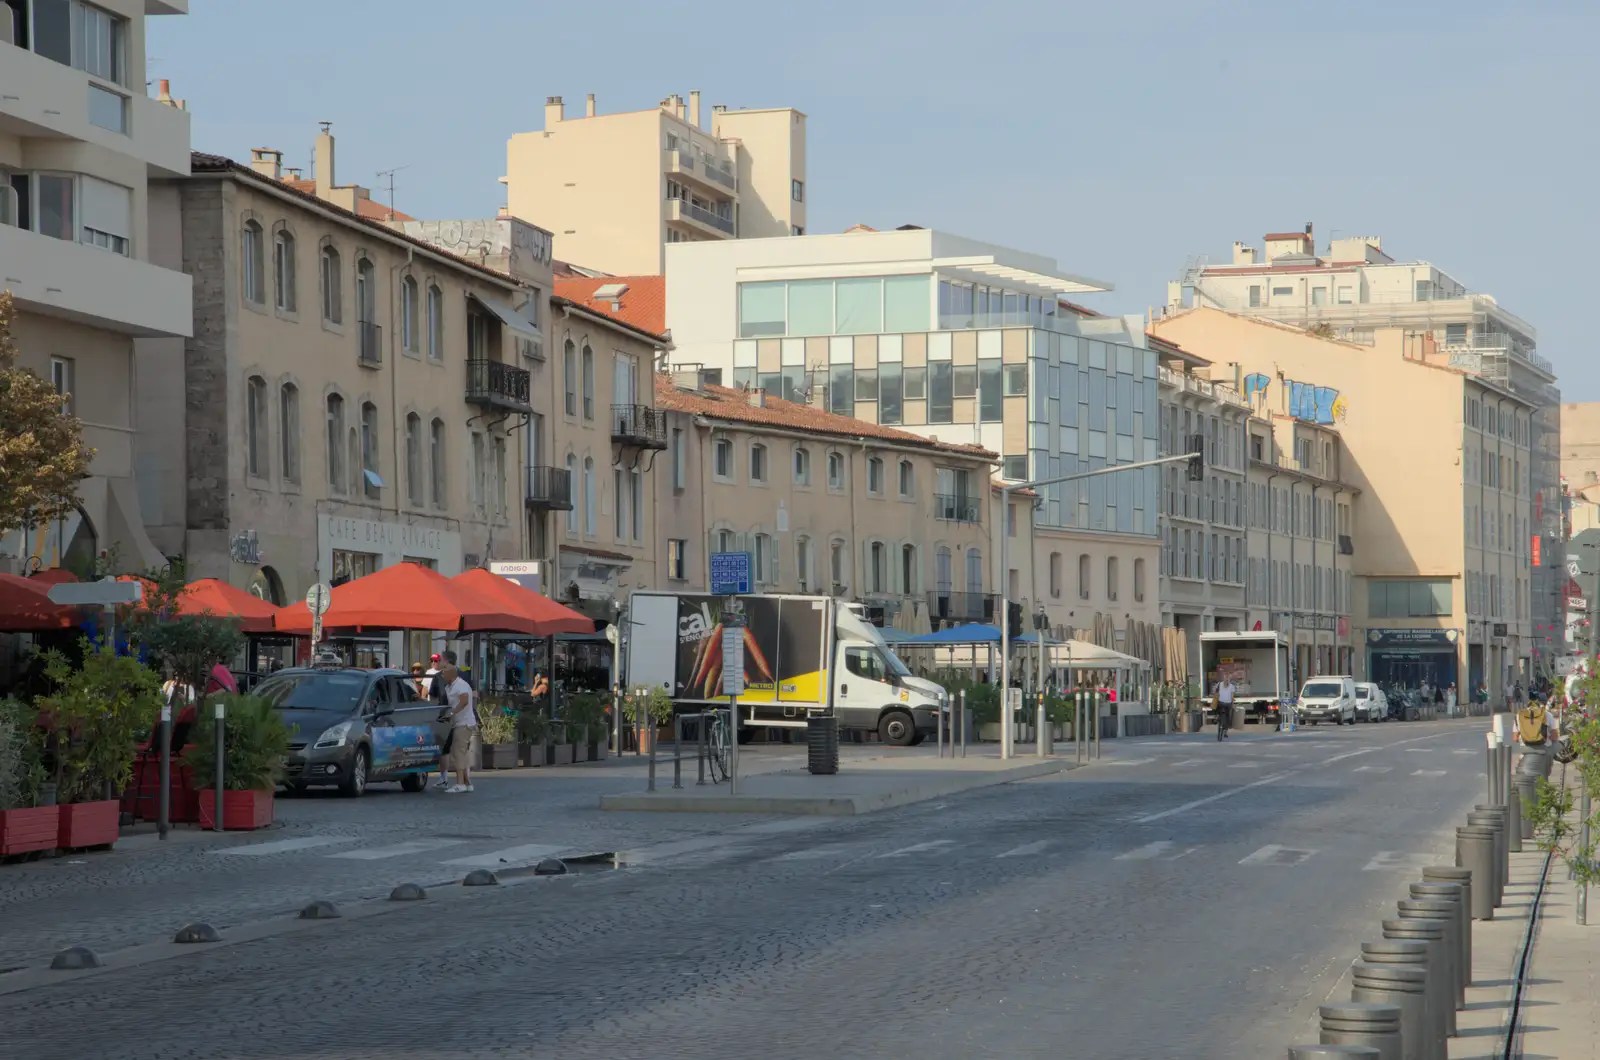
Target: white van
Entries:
(1328, 699)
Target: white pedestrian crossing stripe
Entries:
(1248, 765)
(1463, 751)
(1272, 854)
(1161, 850)
(919, 848)
(285, 845)
(1396, 859)
(1025, 849)
(1371, 769)
(398, 850)
(1428, 773)
(810, 854)
(509, 858)
(1418, 750)
(1127, 761)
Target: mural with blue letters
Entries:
(1307, 401)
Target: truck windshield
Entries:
(890, 659)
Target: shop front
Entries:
(349, 548)
(1406, 659)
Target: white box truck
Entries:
(802, 654)
(1258, 663)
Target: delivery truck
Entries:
(802, 655)
(1258, 663)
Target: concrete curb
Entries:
(829, 805)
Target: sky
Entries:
(1125, 140)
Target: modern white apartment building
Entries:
(966, 343)
(1355, 291)
(616, 189)
(90, 255)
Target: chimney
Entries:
(164, 91)
(291, 172)
(694, 107)
(757, 397)
(554, 111)
(679, 108)
(1243, 254)
(588, 106)
(322, 161)
(267, 162)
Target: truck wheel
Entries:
(897, 729)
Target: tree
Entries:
(188, 646)
(42, 455)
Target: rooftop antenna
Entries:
(390, 174)
(150, 61)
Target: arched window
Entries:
(758, 463)
(255, 427)
(1055, 574)
(408, 315)
(332, 286)
(572, 493)
(1083, 575)
(414, 459)
(802, 466)
(335, 442)
(435, 323)
(289, 431)
(589, 499)
(436, 462)
(372, 480)
(1112, 578)
(588, 382)
(909, 573)
(569, 377)
(283, 272)
(908, 479)
(836, 471)
(253, 263)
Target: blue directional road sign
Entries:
(730, 573)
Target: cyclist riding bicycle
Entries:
(1224, 707)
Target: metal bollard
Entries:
(164, 772)
(1475, 853)
(650, 731)
(1527, 798)
(677, 751)
(1042, 742)
(938, 727)
(1440, 1002)
(1410, 954)
(1362, 1023)
(961, 721)
(700, 756)
(1455, 892)
(1333, 1052)
(1495, 817)
(218, 779)
(1491, 766)
(1444, 913)
(1406, 989)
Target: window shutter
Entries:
(772, 548)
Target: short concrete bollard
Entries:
(1495, 817)
(1440, 1001)
(199, 931)
(1412, 954)
(1444, 913)
(480, 878)
(1455, 894)
(1528, 798)
(1475, 853)
(320, 910)
(1401, 986)
(75, 959)
(1362, 1023)
(1333, 1052)
(408, 892)
(550, 867)
(1513, 820)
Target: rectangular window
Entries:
(841, 390)
(620, 493)
(990, 408)
(866, 384)
(1455, 334)
(1319, 296)
(1015, 468)
(941, 392)
(1016, 380)
(810, 308)
(1283, 292)
(1255, 295)
(797, 190)
(915, 383)
(889, 393)
(99, 43)
(762, 309)
(858, 306)
(906, 301)
(107, 109)
(677, 559)
(679, 460)
(1346, 295)
(63, 377)
(54, 206)
(1409, 599)
(500, 507)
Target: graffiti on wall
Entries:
(1306, 401)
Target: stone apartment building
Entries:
(82, 250)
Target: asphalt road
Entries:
(1185, 899)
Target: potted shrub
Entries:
(533, 737)
(559, 749)
(98, 712)
(497, 738)
(25, 826)
(255, 741)
(586, 712)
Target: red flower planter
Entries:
(24, 831)
(242, 811)
(89, 824)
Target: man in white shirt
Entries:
(1224, 706)
(463, 727)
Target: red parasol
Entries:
(408, 596)
(25, 606)
(550, 617)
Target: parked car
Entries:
(1371, 703)
(1328, 699)
(351, 727)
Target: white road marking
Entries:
(1163, 850)
(1463, 751)
(509, 858)
(1127, 761)
(1418, 750)
(1429, 773)
(1372, 769)
(1395, 859)
(1275, 855)
(398, 850)
(1248, 765)
(1025, 849)
(1187, 762)
(918, 848)
(810, 854)
(284, 845)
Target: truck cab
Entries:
(873, 690)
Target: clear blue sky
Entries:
(1119, 138)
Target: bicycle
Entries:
(1224, 716)
(716, 744)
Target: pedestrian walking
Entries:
(463, 727)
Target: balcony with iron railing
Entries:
(370, 352)
(640, 426)
(686, 212)
(950, 607)
(549, 488)
(1204, 387)
(957, 508)
(493, 384)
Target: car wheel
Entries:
(897, 729)
(413, 782)
(355, 785)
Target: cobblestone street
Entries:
(1182, 897)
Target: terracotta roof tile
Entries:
(643, 305)
(726, 403)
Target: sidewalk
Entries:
(1561, 1005)
(1496, 945)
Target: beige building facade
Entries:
(86, 246)
(1441, 459)
(352, 396)
(616, 189)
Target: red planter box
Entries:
(24, 831)
(242, 811)
(89, 824)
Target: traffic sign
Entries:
(319, 598)
(730, 573)
(732, 659)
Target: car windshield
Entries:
(1362, 692)
(313, 691)
(1321, 690)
